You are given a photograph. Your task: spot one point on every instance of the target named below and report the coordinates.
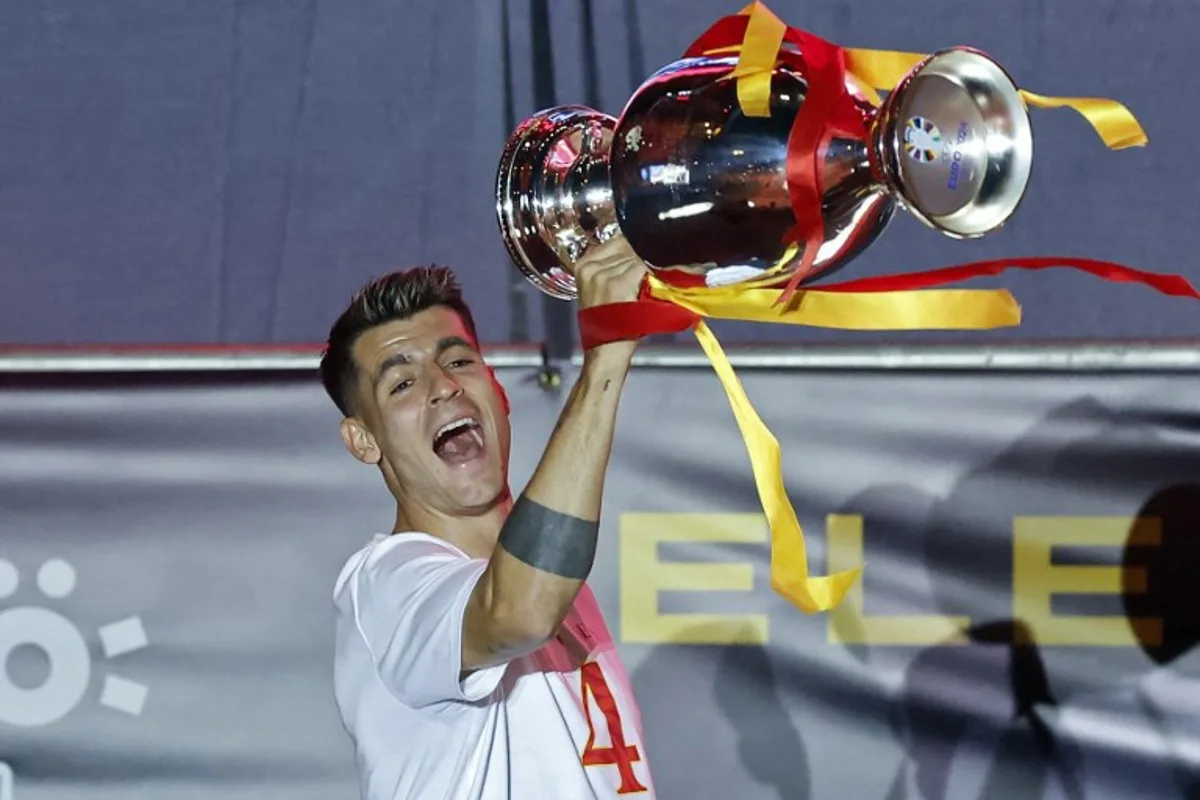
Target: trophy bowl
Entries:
(700, 190)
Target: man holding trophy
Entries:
(472, 660)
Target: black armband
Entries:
(550, 540)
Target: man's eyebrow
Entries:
(385, 366)
(400, 359)
(450, 342)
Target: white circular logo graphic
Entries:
(66, 650)
(70, 666)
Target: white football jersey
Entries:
(560, 723)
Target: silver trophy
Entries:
(699, 190)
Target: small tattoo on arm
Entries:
(550, 540)
(607, 383)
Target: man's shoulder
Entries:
(394, 548)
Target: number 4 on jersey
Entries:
(618, 753)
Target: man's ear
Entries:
(500, 389)
(359, 441)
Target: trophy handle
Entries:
(553, 194)
(955, 143)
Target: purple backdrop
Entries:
(192, 171)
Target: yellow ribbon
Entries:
(926, 309)
(756, 59)
(1113, 121)
(1115, 124)
(789, 556)
(884, 69)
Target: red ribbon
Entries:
(1173, 285)
(827, 111)
(725, 32)
(616, 322)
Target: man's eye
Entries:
(460, 362)
(401, 386)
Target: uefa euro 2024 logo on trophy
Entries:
(69, 663)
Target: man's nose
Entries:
(445, 387)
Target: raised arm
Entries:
(548, 543)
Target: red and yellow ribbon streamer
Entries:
(665, 309)
(918, 310)
(790, 575)
(885, 302)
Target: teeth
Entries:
(453, 426)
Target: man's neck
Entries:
(474, 534)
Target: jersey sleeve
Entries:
(409, 599)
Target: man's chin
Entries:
(483, 502)
(477, 486)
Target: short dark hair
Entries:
(395, 296)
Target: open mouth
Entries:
(459, 441)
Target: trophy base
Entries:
(553, 198)
(956, 143)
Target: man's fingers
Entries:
(616, 273)
(619, 259)
(616, 248)
(610, 272)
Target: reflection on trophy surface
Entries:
(700, 190)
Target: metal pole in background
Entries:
(557, 315)
(518, 287)
(591, 64)
(635, 53)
